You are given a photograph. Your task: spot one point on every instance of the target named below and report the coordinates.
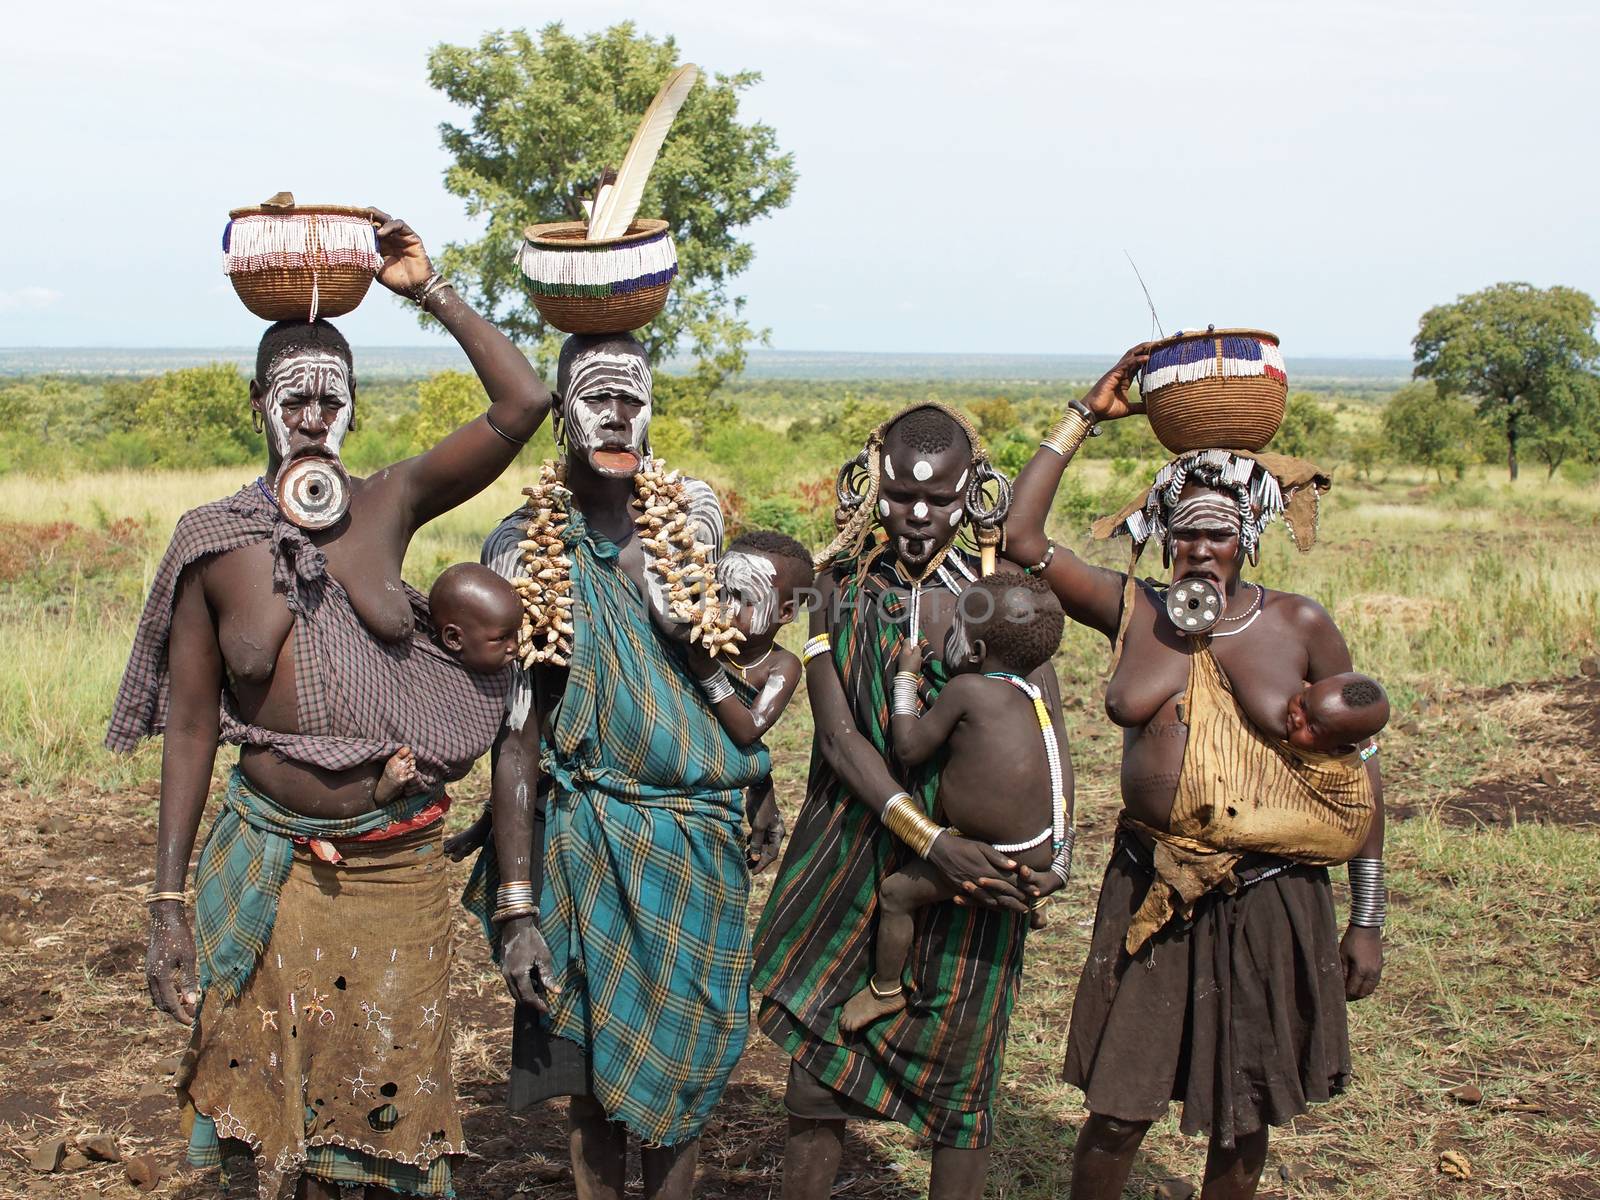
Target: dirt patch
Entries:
(1548, 767)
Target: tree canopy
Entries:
(1526, 355)
(548, 114)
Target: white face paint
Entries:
(922, 469)
(888, 467)
(955, 517)
(883, 508)
(312, 376)
(962, 482)
(750, 582)
(603, 373)
(919, 510)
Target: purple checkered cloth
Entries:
(358, 699)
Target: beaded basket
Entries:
(1217, 388)
(613, 285)
(299, 262)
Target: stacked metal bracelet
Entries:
(906, 821)
(904, 703)
(814, 646)
(717, 686)
(1061, 868)
(1369, 894)
(513, 900)
(1075, 427)
(164, 897)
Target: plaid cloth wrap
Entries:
(358, 699)
(645, 884)
(246, 858)
(932, 1067)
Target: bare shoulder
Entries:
(1301, 612)
(968, 690)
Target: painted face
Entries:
(957, 651)
(607, 410)
(1204, 537)
(749, 582)
(308, 403)
(922, 499)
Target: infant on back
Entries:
(476, 618)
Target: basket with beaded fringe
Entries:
(610, 285)
(300, 261)
(1215, 388)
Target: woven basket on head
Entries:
(1220, 388)
(612, 285)
(318, 281)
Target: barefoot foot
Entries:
(866, 1006)
(399, 773)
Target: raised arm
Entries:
(1090, 595)
(188, 750)
(973, 866)
(474, 456)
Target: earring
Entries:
(256, 422)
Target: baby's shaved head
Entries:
(470, 593)
(1345, 709)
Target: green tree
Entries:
(446, 401)
(1307, 429)
(199, 417)
(1572, 432)
(1426, 428)
(548, 115)
(1517, 350)
(994, 417)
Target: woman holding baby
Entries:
(1215, 976)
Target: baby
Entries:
(476, 618)
(759, 578)
(1336, 714)
(999, 783)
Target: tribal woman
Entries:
(1216, 976)
(318, 994)
(895, 571)
(620, 895)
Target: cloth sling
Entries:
(1238, 792)
(358, 699)
(645, 887)
(933, 1066)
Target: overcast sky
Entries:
(970, 174)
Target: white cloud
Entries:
(28, 299)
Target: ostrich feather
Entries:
(614, 210)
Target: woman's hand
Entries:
(169, 962)
(910, 656)
(766, 834)
(525, 963)
(406, 266)
(978, 872)
(1362, 953)
(1108, 398)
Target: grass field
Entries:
(1475, 603)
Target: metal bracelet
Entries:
(1369, 893)
(717, 688)
(515, 441)
(1070, 432)
(904, 703)
(164, 897)
(906, 821)
(429, 286)
(512, 911)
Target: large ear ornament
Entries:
(981, 509)
(853, 482)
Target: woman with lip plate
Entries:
(280, 623)
(1214, 978)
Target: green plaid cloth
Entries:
(645, 884)
(932, 1067)
(337, 1164)
(241, 871)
